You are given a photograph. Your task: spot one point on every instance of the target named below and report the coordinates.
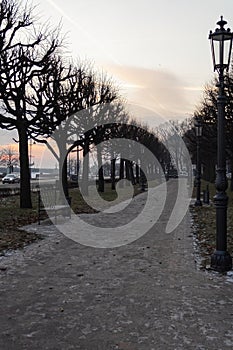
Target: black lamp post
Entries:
(198, 129)
(221, 44)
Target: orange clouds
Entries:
(159, 90)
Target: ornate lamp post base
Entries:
(221, 261)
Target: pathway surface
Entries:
(57, 294)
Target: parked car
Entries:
(10, 179)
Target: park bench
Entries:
(51, 202)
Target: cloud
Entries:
(159, 90)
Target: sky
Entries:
(157, 51)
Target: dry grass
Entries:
(12, 217)
(204, 225)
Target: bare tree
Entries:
(25, 53)
(9, 157)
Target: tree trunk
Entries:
(25, 185)
(100, 170)
(142, 175)
(84, 185)
(137, 174)
(122, 164)
(127, 171)
(77, 165)
(64, 178)
(113, 173)
(131, 173)
(122, 161)
(62, 161)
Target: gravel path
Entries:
(57, 294)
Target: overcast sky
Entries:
(157, 50)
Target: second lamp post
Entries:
(198, 129)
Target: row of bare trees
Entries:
(45, 96)
(39, 89)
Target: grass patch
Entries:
(204, 225)
(79, 205)
(13, 217)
